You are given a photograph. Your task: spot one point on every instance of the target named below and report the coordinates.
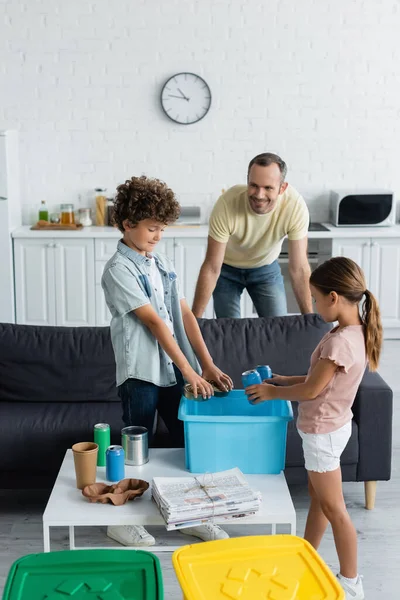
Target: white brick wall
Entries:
(316, 81)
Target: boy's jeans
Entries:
(264, 285)
(140, 400)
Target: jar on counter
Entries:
(101, 201)
(110, 212)
(85, 217)
(67, 214)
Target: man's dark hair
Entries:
(266, 159)
(142, 198)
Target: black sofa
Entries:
(57, 382)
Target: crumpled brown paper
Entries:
(118, 493)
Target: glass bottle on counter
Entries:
(67, 214)
(43, 212)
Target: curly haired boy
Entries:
(156, 338)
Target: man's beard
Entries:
(263, 206)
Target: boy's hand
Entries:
(260, 392)
(199, 385)
(223, 381)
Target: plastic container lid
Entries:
(282, 567)
(91, 574)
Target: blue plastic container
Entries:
(228, 432)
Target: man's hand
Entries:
(223, 381)
(260, 392)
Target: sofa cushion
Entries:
(56, 364)
(284, 343)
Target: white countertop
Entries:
(182, 231)
(172, 231)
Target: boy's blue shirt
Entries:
(126, 285)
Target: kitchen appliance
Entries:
(364, 208)
(190, 215)
(10, 219)
(318, 251)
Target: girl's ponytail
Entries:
(371, 317)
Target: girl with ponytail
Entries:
(326, 395)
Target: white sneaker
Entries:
(131, 535)
(353, 591)
(206, 532)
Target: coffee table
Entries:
(67, 507)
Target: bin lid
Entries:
(91, 574)
(282, 567)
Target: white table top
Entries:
(67, 505)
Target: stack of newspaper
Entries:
(190, 501)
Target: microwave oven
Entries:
(365, 208)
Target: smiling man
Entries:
(247, 227)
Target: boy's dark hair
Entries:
(142, 198)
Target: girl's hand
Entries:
(277, 379)
(223, 381)
(260, 392)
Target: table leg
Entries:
(71, 537)
(273, 529)
(46, 538)
(293, 527)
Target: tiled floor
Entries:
(378, 530)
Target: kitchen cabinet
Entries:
(34, 282)
(188, 257)
(54, 281)
(58, 278)
(358, 249)
(380, 261)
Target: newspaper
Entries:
(190, 501)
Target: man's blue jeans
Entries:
(264, 285)
(140, 400)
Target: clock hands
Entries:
(182, 94)
(179, 97)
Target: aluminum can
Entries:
(115, 463)
(101, 435)
(135, 442)
(251, 377)
(265, 371)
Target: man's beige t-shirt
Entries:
(331, 409)
(256, 240)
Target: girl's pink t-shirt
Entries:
(331, 409)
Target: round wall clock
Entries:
(186, 98)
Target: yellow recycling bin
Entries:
(268, 567)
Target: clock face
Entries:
(186, 98)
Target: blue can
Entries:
(251, 378)
(265, 371)
(115, 463)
